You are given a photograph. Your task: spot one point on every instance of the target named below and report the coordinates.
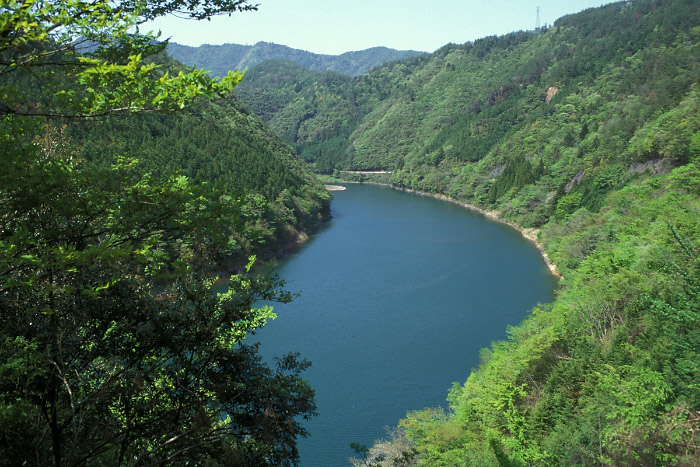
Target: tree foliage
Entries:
(115, 350)
(93, 45)
(100, 369)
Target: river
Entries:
(399, 292)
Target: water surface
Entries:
(398, 294)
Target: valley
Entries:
(142, 202)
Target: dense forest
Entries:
(588, 133)
(129, 183)
(218, 142)
(129, 186)
(219, 59)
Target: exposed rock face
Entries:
(551, 92)
(655, 166)
(574, 181)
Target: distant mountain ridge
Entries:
(219, 59)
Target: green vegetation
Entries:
(219, 59)
(607, 374)
(221, 143)
(289, 97)
(590, 132)
(115, 222)
(113, 349)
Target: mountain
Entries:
(128, 187)
(221, 143)
(286, 96)
(219, 59)
(585, 135)
(572, 98)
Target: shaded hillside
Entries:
(317, 112)
(221, 143)
(219, 59)
(305, 108)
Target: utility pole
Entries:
(537, 22)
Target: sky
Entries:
(338, 26)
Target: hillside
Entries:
(221, 143)
(219, 59)
(131, 187)
(589, 133)
(225, 146)
(570, 102)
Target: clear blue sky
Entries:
(337, 26)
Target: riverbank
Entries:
(529, 234)
(397, 268)
(294, 240)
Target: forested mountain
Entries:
(288, 97)
(460, 101)
(128, 186)
(589, 132)
(220, 143)
(219, 59)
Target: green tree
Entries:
(680, 314)
(85, 60)
(567, 204)
(114, 349)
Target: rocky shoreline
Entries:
(530, 234)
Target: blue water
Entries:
(398, 294)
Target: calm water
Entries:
(398, 294)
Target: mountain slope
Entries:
(219, 59)
(569, 100)
(588, 131)
(220, 143)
